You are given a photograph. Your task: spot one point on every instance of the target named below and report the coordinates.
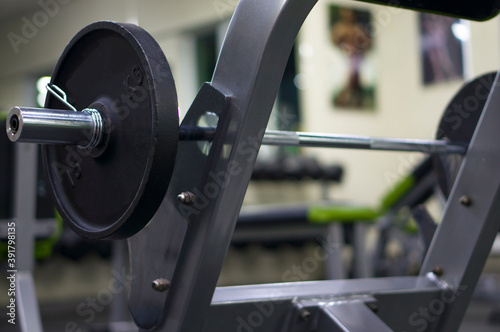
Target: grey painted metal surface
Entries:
(119, 314)
(334, 263)
(465, 236)
(25, 214)
(25, 204)
(315, 289)
(351, 316)
(247, 77)
(394, 300)
(362, 266)
(27, 304)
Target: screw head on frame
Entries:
(160, 284)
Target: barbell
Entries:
(85, 129)
(110, 128)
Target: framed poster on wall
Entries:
(441, 48)
(352, 42)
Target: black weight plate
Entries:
(458, 124)
(113, 191)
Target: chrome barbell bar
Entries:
(47, 126)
